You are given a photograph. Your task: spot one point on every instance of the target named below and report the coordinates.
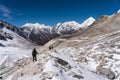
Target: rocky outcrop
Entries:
(4, 35)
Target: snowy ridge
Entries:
(72, 26)
(35, 25)
(69, 24)
(118, 11)
(87, 22)
(67, 27)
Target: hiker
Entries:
(50, 47)
(0, 77)
(34, 53)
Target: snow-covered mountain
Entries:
(40, 34)
(67, 27)
(35, 26)
(87, 22)
(71, 27)
(118, 11)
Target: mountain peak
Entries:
(87, 22)
(118, 11)
(91, 18)
(35, 25)
(71, 22)
(67, 27)
(68, 24)
(58, 24)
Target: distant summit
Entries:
(35, 25)
(87, 22)
(118, 11)
(67, 27)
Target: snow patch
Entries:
(118, 11)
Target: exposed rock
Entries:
(78, 76)
(2, 37)
(1, 78)
(2, 45)
(82, 60)
(62, 62)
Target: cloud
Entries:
(5, 11)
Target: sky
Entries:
(51, 12)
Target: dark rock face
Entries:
(1, 45)
(8, 26)
(1, 78)
(78, 76)
(62, 62)
(39, 36)
(4, 35)
(11, 27)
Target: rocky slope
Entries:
(57, 64)
(97, 46)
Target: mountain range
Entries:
(40, 34)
